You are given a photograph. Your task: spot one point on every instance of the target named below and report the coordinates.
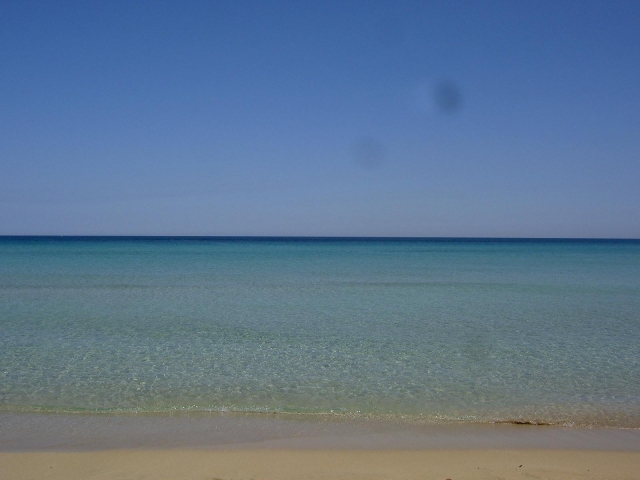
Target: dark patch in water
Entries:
(524, 422)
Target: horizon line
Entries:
(314, 237)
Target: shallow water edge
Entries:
(87, 432)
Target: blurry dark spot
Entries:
(368, 152)
(447, 96)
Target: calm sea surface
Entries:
(427, 330)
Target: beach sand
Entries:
(316, 464)
(56, 446)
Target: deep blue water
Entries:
(430, 329)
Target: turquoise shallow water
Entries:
(429, 330)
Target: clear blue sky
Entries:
(510, 118)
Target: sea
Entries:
(433, 330)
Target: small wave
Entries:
(398, 418)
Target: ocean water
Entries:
(430, 330)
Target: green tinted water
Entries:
(434, 330)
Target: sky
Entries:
(320, 118)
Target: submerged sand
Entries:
(321, 464)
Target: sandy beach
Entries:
(47, 446)
(300, 464)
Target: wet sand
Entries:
(85, 432)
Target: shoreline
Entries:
(47, 432)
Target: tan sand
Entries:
(321, 464)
